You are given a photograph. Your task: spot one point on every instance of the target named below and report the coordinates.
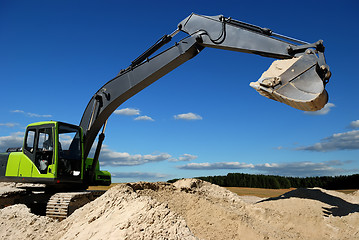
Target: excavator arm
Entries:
(298, 80)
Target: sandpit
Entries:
(193, 209)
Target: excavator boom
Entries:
(297, 80)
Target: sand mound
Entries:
(356, 193)
(193, 209)
(9, 188)
(16, 222)
(206, 189)
(122, 214)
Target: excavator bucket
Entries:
(295, 82)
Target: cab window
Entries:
(30, 140)
(45, 139)
(69, 149)
(44, 152)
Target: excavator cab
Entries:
(54, 151)
(52, 154)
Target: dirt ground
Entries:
(193, 209)
(259, 192)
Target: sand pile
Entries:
(9, 188)
(193, 209)
(123, 214)
(119, 214)
(16, 222)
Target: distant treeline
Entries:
(276, 182)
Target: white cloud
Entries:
(216, 165)
(304, 168)
(9, 124)
(185, 157)
(325, 110)
(127, 112)
(109, 157)
(354, 124)
(144, 118)
(187, 116)
(338, 141)
(12, 141)
(18, 111)
(113, 158)
(39, 115)
(139, 175)
(32, 114)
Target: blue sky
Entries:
(201, 119)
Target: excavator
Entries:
(56, 154)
